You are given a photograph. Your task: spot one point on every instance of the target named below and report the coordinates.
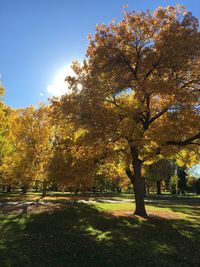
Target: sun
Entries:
(60, 86)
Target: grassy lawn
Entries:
(99, 233)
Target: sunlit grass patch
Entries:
(114, 206)
(124, 209)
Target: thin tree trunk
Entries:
(44, 188)
(9, 188)
(24, 189)
(181, 173)
(36, 185)
(158, 186)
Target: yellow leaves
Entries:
(80, 135)
(159, 13)
(29, 135)
(2, 91)
(188, 157)
(101, 28)
(170, 13)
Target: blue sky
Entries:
(40, 38)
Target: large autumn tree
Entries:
(141, 85)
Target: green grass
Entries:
(86, 235)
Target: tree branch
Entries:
(188, 141)
(158, 115)
(133, 70)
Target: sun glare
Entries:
(60, 86)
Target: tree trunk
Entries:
(44, 189)
(158, 186)
(147, 190)
(9, 188)
(139, 190)
(24, 189)
(138, 183)
(181, 173)
(36, 185)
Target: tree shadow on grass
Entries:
(81, 235)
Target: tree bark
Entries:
(139, 184)
(139, 190)
(158, 187)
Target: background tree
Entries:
(29, 137)
(74, 157)
(182, 179)
(185, 159)
(5, 145)
(160, 171)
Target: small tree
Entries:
(160, 171)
